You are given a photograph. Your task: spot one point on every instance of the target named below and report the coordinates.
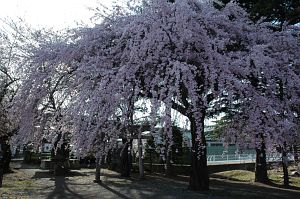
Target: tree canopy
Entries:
(186, 55)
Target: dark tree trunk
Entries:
(261, 172)
(124, 160)
(1, 165)
(98, 171)
(60, 157)
(141, 162)
(6, 157)
(1, 175)
(199, 179)
(169, 167)
(285, 168)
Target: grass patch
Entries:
(275, 175)
(19, 185)
(16, 182)
(12, 187)
(236, 175)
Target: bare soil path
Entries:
(29, 182)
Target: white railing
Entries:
(242, 158)
(231, 158)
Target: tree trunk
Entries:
(124, 160)
(1, 166)
(130, 155)
(98, 171)
(169, 167)
(141, 166)
(6, 157)
(1, 175)
(199, 179)
(285, 168)
(261, 174)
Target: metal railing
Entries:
(242, 158)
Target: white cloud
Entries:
(50, 13)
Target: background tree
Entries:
(279, 12)
(10, 58)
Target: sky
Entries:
(56, 14)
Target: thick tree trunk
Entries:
(60, 157)
(124, 160)
(6, 157)
(261, 174)
(285, 169)
(199, 179)
(98, 171)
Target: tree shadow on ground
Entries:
(251, 190)
(270, 183)
(237, 189)
(62, 191)
(119, 194)
(112, 175)
(109, 175)
(158, 186)
(10, 171)
(29, 166)
(152, 187)
(48, 174)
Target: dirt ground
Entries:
(28, 181)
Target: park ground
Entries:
(30, 182)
